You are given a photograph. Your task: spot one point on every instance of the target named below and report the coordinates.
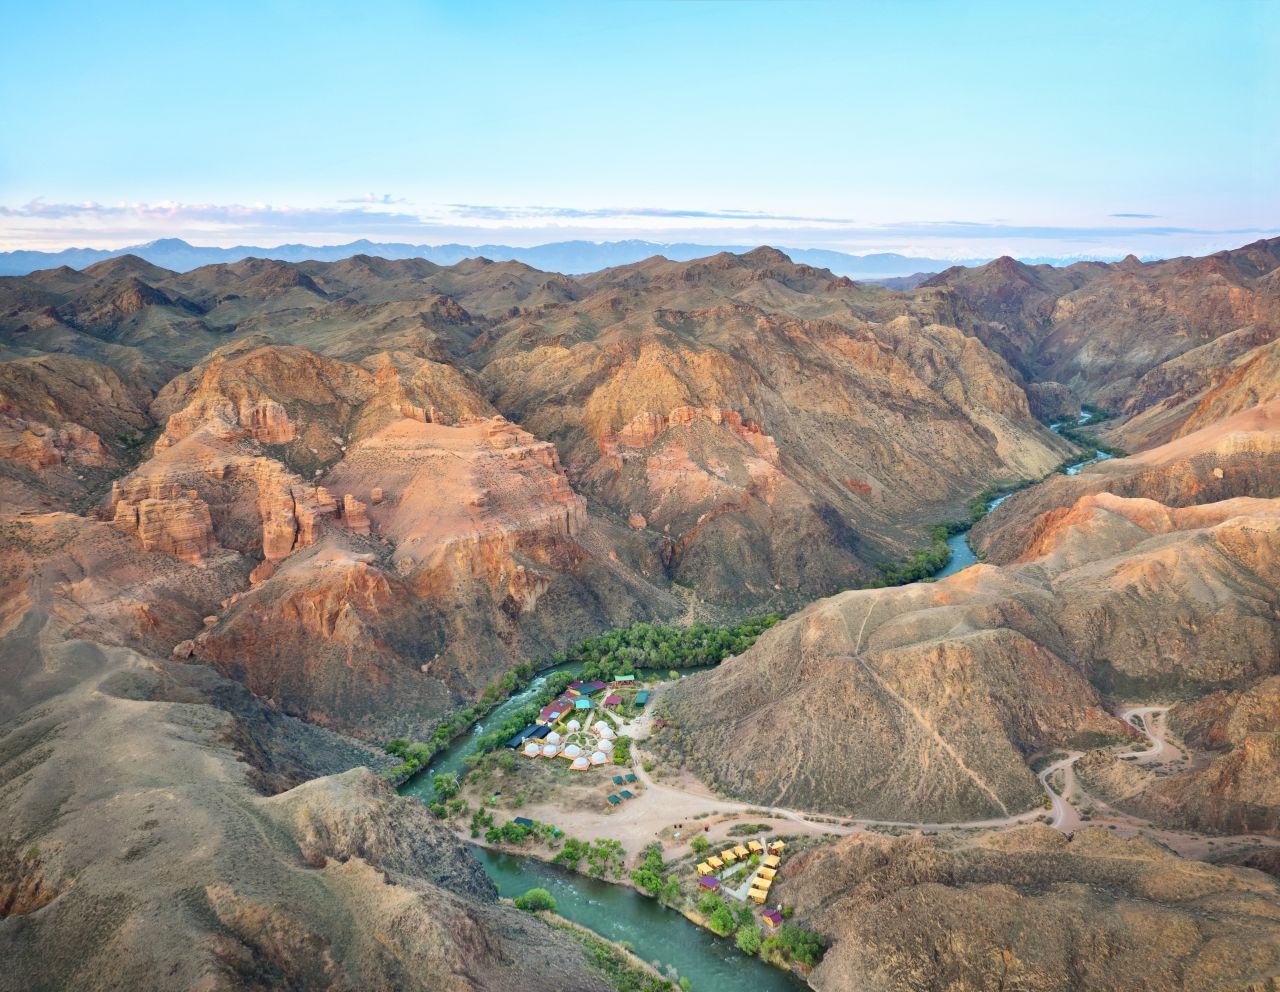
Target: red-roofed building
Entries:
(554, 712)
(614, 700)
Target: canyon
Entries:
(261, 517)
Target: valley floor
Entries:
(674, 806)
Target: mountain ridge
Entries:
(577, 256)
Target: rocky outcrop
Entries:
(478, 532)
(66, 424)
(177, 525)
(259, 506)
(39, 446)
(645, 429)
(1031, 909)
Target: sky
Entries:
(955, 130)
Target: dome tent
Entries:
(598, 757)
(580, 763)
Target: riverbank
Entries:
(621, 914)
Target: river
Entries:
(453, 758)
(962, 555)
(658, 935)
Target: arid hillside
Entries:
(774, 430)
(1173, 345)
(1032, 909)
(923, 703)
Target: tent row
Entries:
(578, 758)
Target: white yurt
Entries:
(605, 745)
(552, 738)
(532, 749)
(550, 750)
(572, 751)
(606, 732)
(573, 726)
(598, 757)
(580, 763)
(599, 726)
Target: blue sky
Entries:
(932, 128)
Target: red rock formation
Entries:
(39, 446)
(354, 514)
(177, 525)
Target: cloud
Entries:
(44, 224)
(473, 211)
(234, 214)
(1136, 216)
(385, 198)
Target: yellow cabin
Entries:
(755, 847)
(715, 863)
(757, 895)
(762, 883)
(741, 851)
(777, 846)
(772, 861)
(704, 869)
(728, 857)
(767, 872)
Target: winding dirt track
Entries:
(663, 804)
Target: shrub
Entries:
(648, 875)
(445, 785)
(700, 845)
(748, 939)
(793, 943)
(605, 857)
(709, 903)
(721, 920)
(536, 900)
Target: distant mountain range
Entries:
(570, 257)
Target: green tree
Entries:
(700, 845)
(748, 939)
(721, 920)
(446, 785)
(572, 853)
(708, 903)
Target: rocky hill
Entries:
(137, 854)
(921, 703)
(1032, 909)
(1172, 344)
